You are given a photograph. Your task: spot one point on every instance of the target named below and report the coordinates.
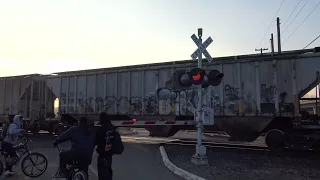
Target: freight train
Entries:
(258, 94)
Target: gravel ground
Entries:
(243, 165)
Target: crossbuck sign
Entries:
(201, 48)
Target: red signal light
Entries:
(198, 76)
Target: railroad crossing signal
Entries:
(199, 76)
(184, 79)
(201, 48)
(181, 80)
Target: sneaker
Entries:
(9, 173)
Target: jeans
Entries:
(8, 148)
(105, 168)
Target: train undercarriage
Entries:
(303, 135)
(280, 132)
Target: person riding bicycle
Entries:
(11, 137)
(82, 140)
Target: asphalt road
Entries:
(139, 161)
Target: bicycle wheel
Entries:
(80, 175)
(33, 159)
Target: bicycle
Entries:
(75, 171)
(23, 149)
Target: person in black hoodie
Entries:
(82, 139)
(108, 142)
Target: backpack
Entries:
(114, 138)
(4, 131)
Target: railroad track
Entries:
(217, 145)
(307, 154)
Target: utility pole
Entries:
(272, 44)
(261, 50)
(278, 34)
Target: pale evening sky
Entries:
(42, 36)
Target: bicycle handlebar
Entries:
(25, 137)
(59, 149)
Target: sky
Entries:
(42, 36)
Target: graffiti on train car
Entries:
(268, 93)
(249, 104)
(184, 102)
(231, 93)
(181, 102)
(123, 105)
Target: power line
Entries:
(295, 17)
(311, 42)
(291, 13)
(271, 24)
(261, 50)
(301, 23)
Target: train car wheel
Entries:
(275, 140)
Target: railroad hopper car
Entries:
(29, 96)
(258, 94)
